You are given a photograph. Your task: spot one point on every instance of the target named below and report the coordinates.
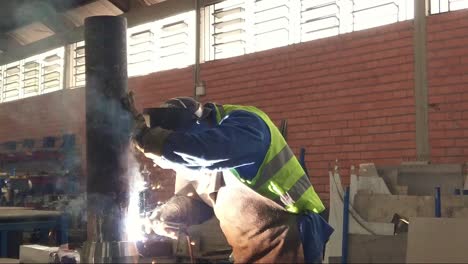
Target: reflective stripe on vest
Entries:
(280, 176)
(272, 167)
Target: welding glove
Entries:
(139, 125)
(179, 212)
(146, 139)
(151, 140)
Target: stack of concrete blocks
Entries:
(377, 194)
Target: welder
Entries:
(242, 167)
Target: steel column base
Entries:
(109, 252)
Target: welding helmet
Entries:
(178, 113)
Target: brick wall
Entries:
(448, 90)
(348, 97)
(47, 115)
(53, 114)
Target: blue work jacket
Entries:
(239, 141)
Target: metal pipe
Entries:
(344, 245)
(108, 128)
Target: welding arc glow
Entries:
(134, 222)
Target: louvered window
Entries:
(319, 19)
(31, 77)
(11, 82)
(161, 45)
(271, 24)
(457, 4)
(229, 28)
(374, 13)
(174, 43)
(78, 70)
(440, 6)
(141, 49)
(52, 70)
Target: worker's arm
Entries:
(240, 141)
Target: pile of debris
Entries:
(392, 214)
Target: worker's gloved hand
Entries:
(140, 127)
(179, 212)
(161, 228)
(144, 138)
(151, 140)
(128, 103)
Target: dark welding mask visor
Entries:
(177, 119)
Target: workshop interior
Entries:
(366, 95)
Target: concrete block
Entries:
(368, 170)
(422, 179)
(390, 177)
(36, 253)
(401, 190)
(377, 249)
(381, 208)
(357, 225)
(437, 240)
(460, 212)
(370, 185)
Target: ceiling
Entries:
(23, 22)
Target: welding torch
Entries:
(162, 228)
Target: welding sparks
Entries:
(134, 223)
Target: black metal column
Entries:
(108, 127)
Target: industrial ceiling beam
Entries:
(57, 23)
(134, 17)
(123, 5)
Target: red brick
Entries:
(443, 142)
(454, 152)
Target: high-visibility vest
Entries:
(280, 177)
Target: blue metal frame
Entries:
(60, 224)
(344, 245)
(438, 211)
